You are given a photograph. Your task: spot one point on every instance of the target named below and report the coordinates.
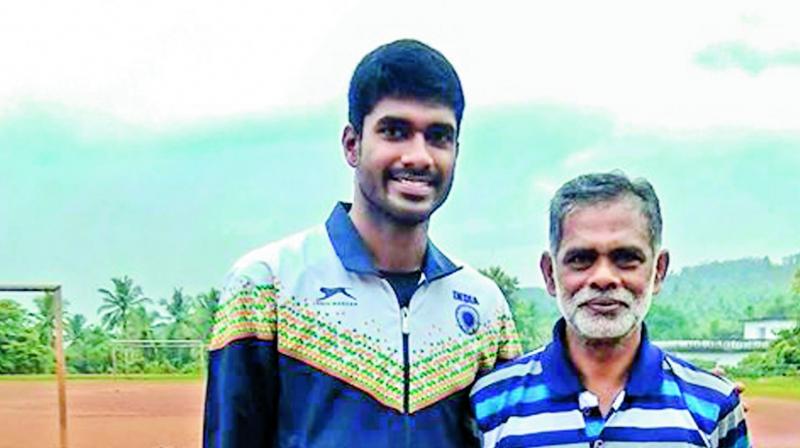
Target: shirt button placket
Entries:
(598, 444)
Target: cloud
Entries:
(581, 158)
(739, 55)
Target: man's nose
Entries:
(605, 276)
(417, 154)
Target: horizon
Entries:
(179, 141)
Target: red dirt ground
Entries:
(113, 414)
(151, 414)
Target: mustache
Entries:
(588, 294)
(414, 174)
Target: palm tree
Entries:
(76, 328)
(207, 306)
(142, 323)
(508, 285)
(179, 313)
(118, 304)
(45, 318)
(523, 309)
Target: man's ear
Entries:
(662, 267)
(546, 265)
(351, 145)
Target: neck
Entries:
(603, 364)
(395, 247)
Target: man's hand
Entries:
(740, 387)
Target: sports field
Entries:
(167, 413)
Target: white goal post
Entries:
(195, 346)
(61, 366)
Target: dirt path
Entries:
(124, 414)
(150, 414)
(773, 422)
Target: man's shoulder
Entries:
(470, 276)
(687, 376)
(526, 369)
(261, 265)
(272, 253)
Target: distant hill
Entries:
(709, 300)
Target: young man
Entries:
(360, 332)
(600, 382)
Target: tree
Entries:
(21, 351)
(796, 282)
(119, 302)
(179, 310)
(665, 322)
(526, 319)
(91, 352)
(45, 318)
(76, 328)
(206, 308)
(142, 323)
(781, 358)
(508, 285)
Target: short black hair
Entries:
(404, 68)
(594, 188)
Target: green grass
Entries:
(776, 387)
(108, 377)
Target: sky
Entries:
(162, 140)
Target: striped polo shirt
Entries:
(538, 400)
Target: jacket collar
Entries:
(355, 257)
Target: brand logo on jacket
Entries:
(336, 296)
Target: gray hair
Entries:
(594, 188)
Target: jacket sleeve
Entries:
(241, 391)
(509, 344)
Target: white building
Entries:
(766, 328)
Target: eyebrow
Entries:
(388, 119)
(579, 251)
(400, 121)
(629, 250)
(444, 127)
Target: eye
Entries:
(394, 131)
(627, 259)
(440, 136)
(580, 260)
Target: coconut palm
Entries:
(118, 303)
(179, 310)
(45, 318)
(207, 305)
(76, 328)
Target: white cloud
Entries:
(183, 60)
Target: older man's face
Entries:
(605, 270)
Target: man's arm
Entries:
(241, 393)
(731, 429)
(509, 346)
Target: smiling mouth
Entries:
(411, 184)
(604, 306)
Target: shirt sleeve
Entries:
(731, 429)
(241, 391)
(509, 345)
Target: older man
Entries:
(601, 382)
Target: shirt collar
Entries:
(646, 375)
(355, 256)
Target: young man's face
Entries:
(605, 270)
(404, 158)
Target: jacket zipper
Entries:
(406, 364)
